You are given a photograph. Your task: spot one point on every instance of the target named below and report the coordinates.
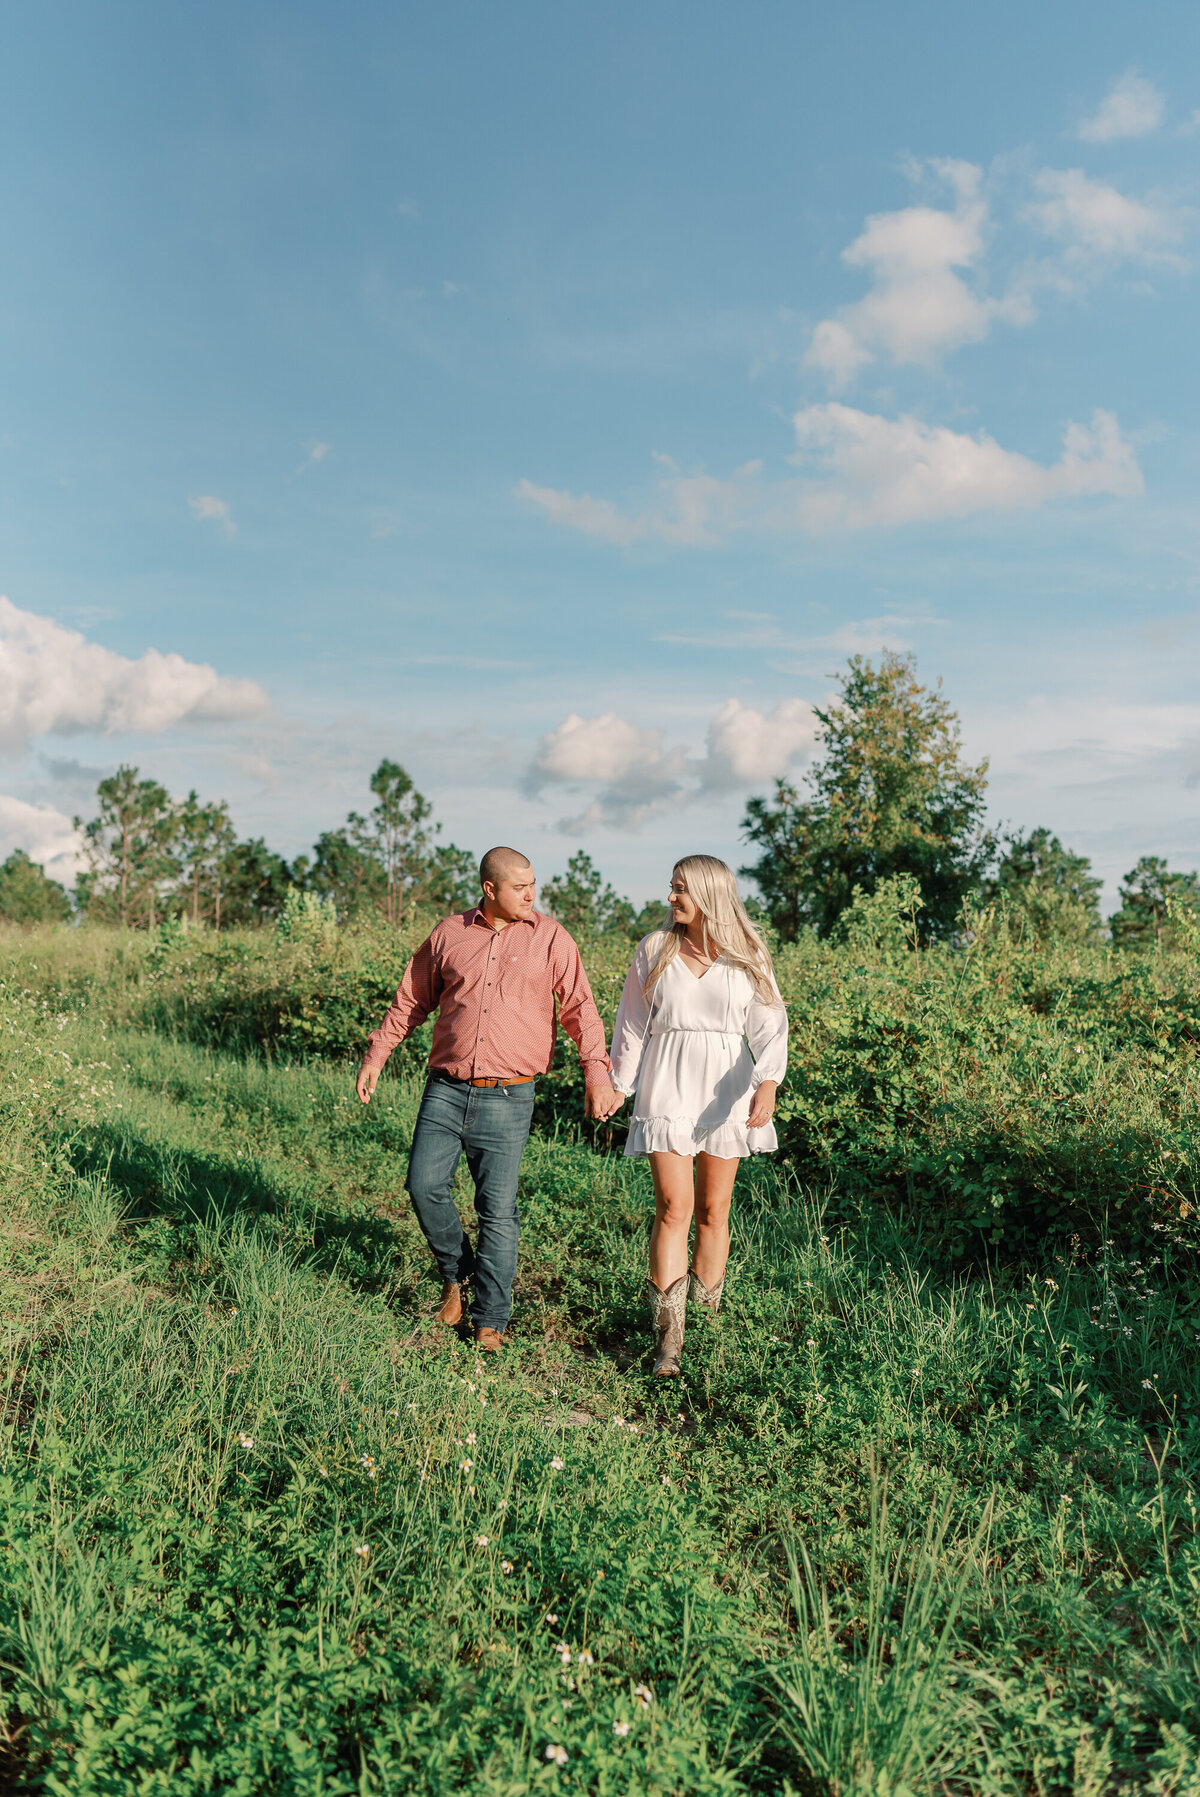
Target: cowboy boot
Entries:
(707, 1297)
(668, 1311)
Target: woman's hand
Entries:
(762, 1107)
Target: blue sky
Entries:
(552, 396)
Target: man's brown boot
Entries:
(490, 1340)
(452, 1304)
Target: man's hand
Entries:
(603, 1102)
(368, 1079)
(762, 1108)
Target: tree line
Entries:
(889, 794)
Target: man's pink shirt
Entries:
(494, 992)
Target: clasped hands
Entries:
(602, 1102)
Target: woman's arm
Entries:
(767, 1034)
(632, 1025)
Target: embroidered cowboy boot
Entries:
(707, 1297)
(668, 1311)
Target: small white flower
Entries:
(362, 1552)
(551, 1618)
(1067, 1498)
(506, 1566)
(481, 1541)
(663, 1479)
(568, 1703)
(618, 1422)
(811, 1342)
(621, 1728)
(246, 1441)
(1147, 1385)
(412, 1406)
(558, 1463)
(470, 1438)
(322, 1472)
(557, 1754)
(465, 1466)
(585, 1658)
(644, 1695)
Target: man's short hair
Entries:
(497, 863)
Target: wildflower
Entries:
(246, 1441)
(233, 1312)
(322, 1472)
(506, 1566)
(644, 1695)
(621, 1728)
(557, 1754)
(551, 1618)
(393, 1413)
(585, 1658)
(618, 1422)
(663, 1479)
(481, 1541)
(1147, 1385)
(465, 1466)
(1067, 1498)
(362, 1551)
(470, 1438)
(412, 1407)
(558, 1463)
(811, 1342)
(568, 1703)
(369, 1466)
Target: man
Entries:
(492, 974)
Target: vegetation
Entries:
(899, 1528)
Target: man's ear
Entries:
(489, 891)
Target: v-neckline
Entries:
(698, 977)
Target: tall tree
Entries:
(206, 836)
(130, 849)
(448, 880)
(1051, 888)
(27, 895)
(891, 795)
(397, 829)
(1149, 893)
(255, 882)
(347, 868)
(584, 902)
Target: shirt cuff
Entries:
(597, 1073)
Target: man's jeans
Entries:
(489, 1124)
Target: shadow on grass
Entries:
(180, 1189)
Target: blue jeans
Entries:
(489, 1124)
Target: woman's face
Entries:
(684, 909)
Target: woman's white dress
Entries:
(694, 1056)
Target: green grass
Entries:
(897, 1529)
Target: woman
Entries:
(701, 1038)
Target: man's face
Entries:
(511, 896)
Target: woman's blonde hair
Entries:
(725, 922)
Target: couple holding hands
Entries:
(700, 1042)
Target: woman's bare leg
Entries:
(714, 1193)
(674, 1201)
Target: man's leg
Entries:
(436, 1147)
(494, 1139)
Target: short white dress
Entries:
(694, 1056)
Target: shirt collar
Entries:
(477, 916)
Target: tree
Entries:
(583, 902)
(129, 849)
(255, 882)
(399, 833)
(1149, 894)
(206, 837)
(346, 870)
(1050, 888)
(27, 896)
(449, 880)
(891, 795)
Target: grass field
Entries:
(267, 1528)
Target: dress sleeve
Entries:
(632, 1025)
(767, 1034)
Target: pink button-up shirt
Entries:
(494, 992)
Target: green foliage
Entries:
(221, 1381)
(584, 903)
(255, 882)
(1154, 901)
(130, 848)
(388, 862)
(891, 795)
(27, 896)
(1046, 891)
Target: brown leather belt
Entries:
(523, 1081)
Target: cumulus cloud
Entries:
(1091, 218)
(627, 774)
(207, 508)
(45, 834)
(865, 471)
(879, 471)
(697, 507)
(53, 682)
(1132, 108)
(920, 307)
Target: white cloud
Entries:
(919, 307)
(627, 774)
(864, 471)
(316, 453)
(1091, 218)
(45, 834)
(1132, 108)
(884, 471)
(54, 682)
(207, 508)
